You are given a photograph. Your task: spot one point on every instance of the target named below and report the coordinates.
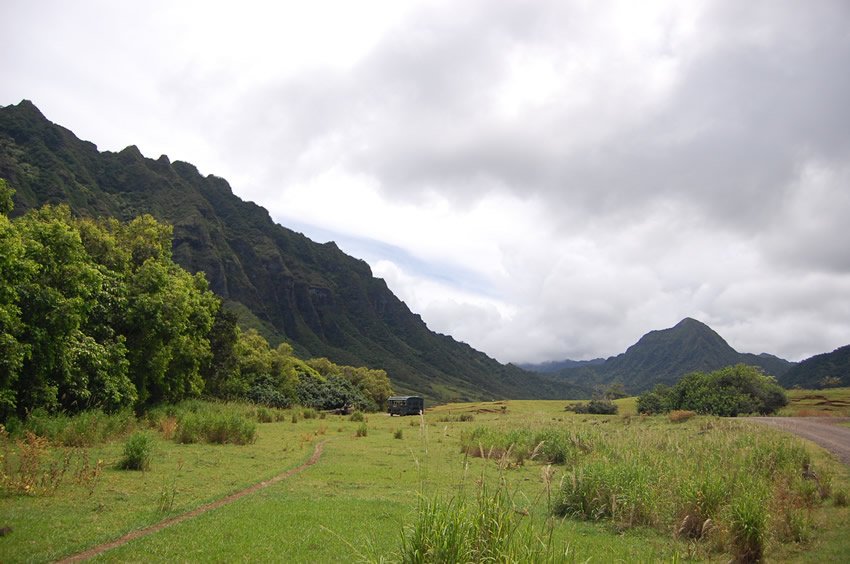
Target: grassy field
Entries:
(830, 402)
(365, 490)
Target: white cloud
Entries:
(542, 180)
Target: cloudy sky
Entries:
(543, 180)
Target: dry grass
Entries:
(680, 415)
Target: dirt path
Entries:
(821, 430)
(92, 552)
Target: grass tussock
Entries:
(490, 528)
(138, 452)
(85, 429)
(209, 422)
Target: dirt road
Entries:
(824, 431)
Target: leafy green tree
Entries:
(374, 384)
(170, 312)
(15, 272)
(727, 392)
(6, 195)
(222, 366)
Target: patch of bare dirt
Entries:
(156, 527)
(823, 431)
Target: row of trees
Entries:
(95, 313)
(727, 392)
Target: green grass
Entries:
(829, 402)
(356, 501)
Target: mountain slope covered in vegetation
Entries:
(314, 296)
(827, 369)
(663, 357)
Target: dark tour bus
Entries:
(405, 405)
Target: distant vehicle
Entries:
(405, 405)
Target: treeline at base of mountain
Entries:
(94, 313)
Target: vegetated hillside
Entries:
(812, 372)
(321, 300)
(662, 357)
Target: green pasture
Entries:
(829, 402)
(365, 490)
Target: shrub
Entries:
(398, 434)
(309, 413)
(138, 451)
(357, 416)
(595, 407)
(840, 498)
(727, 392)
(362, 430)
(659, 400)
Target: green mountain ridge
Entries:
(664, 356)
(811, 372)
(319, 299)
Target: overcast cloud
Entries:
(543, 180)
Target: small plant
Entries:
(839, 498)
(138, 451)
(264, 415)
(362, 430)
(357, 416)
(309, 413)
(399, 434)
(168, 426)
(166, 497)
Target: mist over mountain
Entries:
(319, 299)
(664, 356)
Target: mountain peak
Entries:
(665, 355)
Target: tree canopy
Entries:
(94, 313)
(730, 391)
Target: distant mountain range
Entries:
(663, 357)
(322, 301)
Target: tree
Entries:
(6, 195)
(727, 392)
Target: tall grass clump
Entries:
(215, 427)
(620, 491)
(196, 421)
(85, 429)
(748, 525)
(491, 528)
(138, 451)
(552, 445)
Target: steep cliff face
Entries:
(323, 301)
